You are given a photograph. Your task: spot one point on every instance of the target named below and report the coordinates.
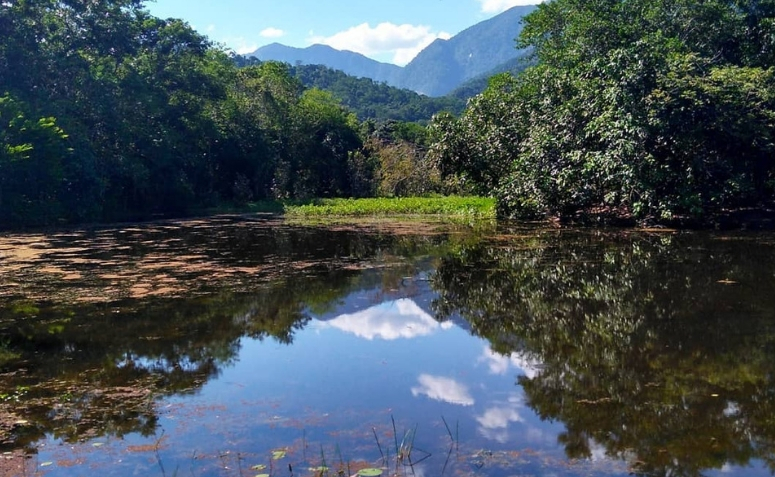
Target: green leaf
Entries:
(370, 472)
(278, 454)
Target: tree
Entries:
(33, 166)
(654, 107)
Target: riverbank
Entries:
(743, 218)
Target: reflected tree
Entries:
(77, 371)
(659, 348)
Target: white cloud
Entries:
(272, 32)
(499, 417)
(211, 28)
(498, 6)
(389, 321)
(403, 42)
(444, 389)
(500, 364)
(494, 423)
(240, 45)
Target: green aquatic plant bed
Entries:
(475, 207)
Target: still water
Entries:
(236, 347)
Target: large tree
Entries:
(653, 106)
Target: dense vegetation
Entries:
(637, 347)
(109, 113)
(370, 99)
(647, 107)
(461, 207)
(644, 108)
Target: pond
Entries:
(238, 346)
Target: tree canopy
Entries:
(108, 113)
(652, 107)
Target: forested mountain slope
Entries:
(353, 64)
(437, 70)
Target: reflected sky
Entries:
(390, 320)
(346, 365)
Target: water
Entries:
(234, 347)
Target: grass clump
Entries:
(470, 207)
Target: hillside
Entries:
(354, 64)
(437, 70)
(369, 99)
(446, 64)
(479, 83)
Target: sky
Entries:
(393, 31)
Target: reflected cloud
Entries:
(499, 417)
(390, 320)
(444, 389)
(495, 421)
(500, 364)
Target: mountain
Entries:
(369, 99)
(478, 84)
(354, 64)
(437, 70)
(446, 64)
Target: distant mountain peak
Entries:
(438, 69)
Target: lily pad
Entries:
(278, 454)
(258, 467)
(262, 475)
(322, 468)
(46, 464)
(370, 472)
(97, 444)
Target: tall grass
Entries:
(469, 207)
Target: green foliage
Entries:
(369, 99)
(636, 343)
(34, 160)
(652, 107)
(109, 113)
(471, 207)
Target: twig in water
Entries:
(447, 426)
(341, 460)
(395, 433)
(193, 458)
(449, 454)
(156, 451)
(304, 444)
(374, 430)
(323, 457)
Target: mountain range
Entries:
(485, 48)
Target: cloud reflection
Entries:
(444, 389)
(500, 364)
(495, 421)
(390, 320)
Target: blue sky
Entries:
(393, 31)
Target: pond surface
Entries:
(237, 347)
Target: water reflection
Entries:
(90, 355)
(658, 350)
(589, 349)
(389, 320)
(444, 389)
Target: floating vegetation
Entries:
(279, 454)
(370, 472)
